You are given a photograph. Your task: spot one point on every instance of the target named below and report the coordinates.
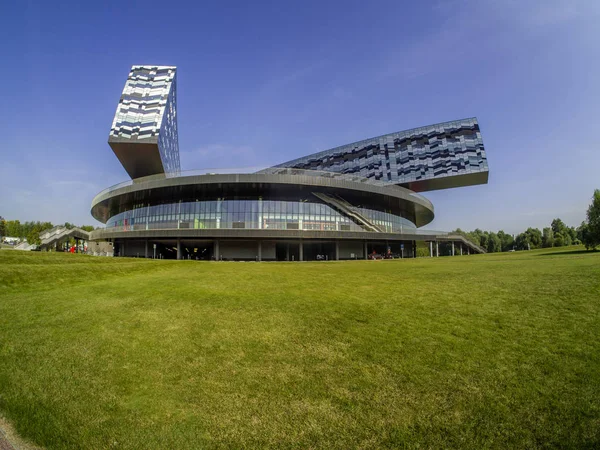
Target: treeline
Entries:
(556, 235)
(31, 230)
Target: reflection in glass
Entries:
(253, 214)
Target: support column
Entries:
(437, 249)
(431, 249)
(366, 255)
(122, 249)
(414, 249)
(461, 246)
(146, 248)
(452, 248)
(178, 248)
(216, 250)
(259, 251)
(337, 251)
(301, 251)
(468, 250)
(287, 252)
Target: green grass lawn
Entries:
(497, 351)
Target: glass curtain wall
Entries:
(254, 214)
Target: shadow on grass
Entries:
(570, 252)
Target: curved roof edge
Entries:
(123, 194)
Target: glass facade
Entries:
(168, 141)
(446, 149)
(253, 214)
(147, 112)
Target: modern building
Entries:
(144, 134)
(350, 202)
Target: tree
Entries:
(522, 242)
(483, 239)
(562, 233)
(581, 230)
(530, 239)
(559, 240)
(572, 234)
(87, 228)
(33, 230)
(548, 237)
(493, 243)
(591, 232)
(2, 226)
(472, 236)
(507, 241)
(584, 235)
(535, 237)
(558, 226)
(13, 228)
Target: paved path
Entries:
(10, 440)
(4, 444)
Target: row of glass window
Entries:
(255, 214)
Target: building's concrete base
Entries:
(262, 250)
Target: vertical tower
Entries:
(143, 134)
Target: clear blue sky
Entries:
(264, 82)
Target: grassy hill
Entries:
(499, 350)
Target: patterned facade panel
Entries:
(407, 157)
(147, 112)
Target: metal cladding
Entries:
(445, 155)
(143, 134)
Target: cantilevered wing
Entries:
(441, 156)
(144, 130)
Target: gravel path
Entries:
(4, 444)
(9, 440)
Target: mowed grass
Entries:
(490, 351)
